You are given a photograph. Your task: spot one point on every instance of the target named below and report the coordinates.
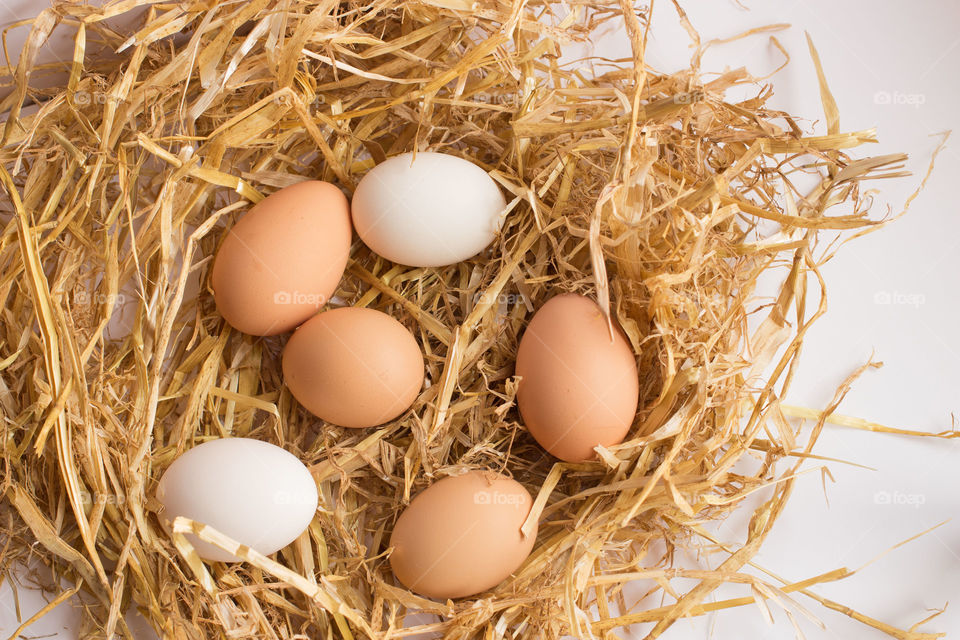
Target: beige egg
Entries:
(353, 367)
(579, 387)
(283, 259)
(461, 535)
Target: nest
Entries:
(647, 191)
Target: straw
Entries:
(649, 192)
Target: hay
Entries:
(646, 191)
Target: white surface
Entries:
(871, 51)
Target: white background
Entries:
(894, 66)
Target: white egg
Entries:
(427, 211)
(254, 492)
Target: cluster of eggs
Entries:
(357, 367)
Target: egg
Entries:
(429, 210)
(283, 259)
(251, 491)
(461, 535)
(353, 367)
(578, 387)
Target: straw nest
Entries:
(648, 192)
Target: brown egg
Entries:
(283, 259)
(353, 367)
(579, 388)
(461, 535)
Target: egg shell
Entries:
(353, 367)
(461, 535)
(251, 491)
(427, 211)
(281, 262)
(578, 388)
